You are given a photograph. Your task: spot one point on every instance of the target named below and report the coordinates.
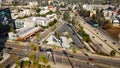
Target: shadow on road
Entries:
(68, 58)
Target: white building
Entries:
(27, 12)
(24, 23)
(92, 7)
(33, 4)
(53, 40)
(32, 21)
(43, 12)
(44, 21)
(40, 21)
(109, 13)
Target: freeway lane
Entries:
(101, 34)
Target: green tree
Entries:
(45, 60)
(40, 58)
(112, 53)
(57, 35)
(38, 10)
(118, 11)
(26, 64)
(36, 64)
(48, 66)
(74, 51)
(17, 63)
(33, 47)
(11, 29)
(37, 35)
(54, 47)
(66, 16)
(68, 35)
(32, 58)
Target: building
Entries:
(5, 20)
(110, 13)
(32, 21)
(24, 23)
(44, 12)
(53, 40)
(92, 7)
(93, 12)
(33, 4)
(23, 33)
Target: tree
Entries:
(45, 60)
(32, 58)
(25, 64)
(48, 66)
(33, 47)
(38, 10)
(68, 35)
(74, 50)
(37, 35)
(54, 47)
(17, 62)
(40, 58)
(57, 35)
(112, 53)
(118, 11)
(66, 16)
(11, 29)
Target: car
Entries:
(71, 56)
(113, 42)
(73, 33)
(49, 49)
(105, 40)
(118, 48)
(90, 59)
(86, 54)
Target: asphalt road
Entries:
(102, 35)
(21, 52)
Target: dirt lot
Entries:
(114, 32)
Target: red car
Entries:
(90, 59)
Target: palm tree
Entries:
(67, 36)
(26, 64)
(74, 50)
(54, 48)
(37, 35)
(48, 66)
(18, 64)
(32, 58)
(112, 53)
(36, 64)
(33, 47)
(45, 60)
(40, 58)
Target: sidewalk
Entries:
(19, 43)
(5, 57)
(58, 65)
